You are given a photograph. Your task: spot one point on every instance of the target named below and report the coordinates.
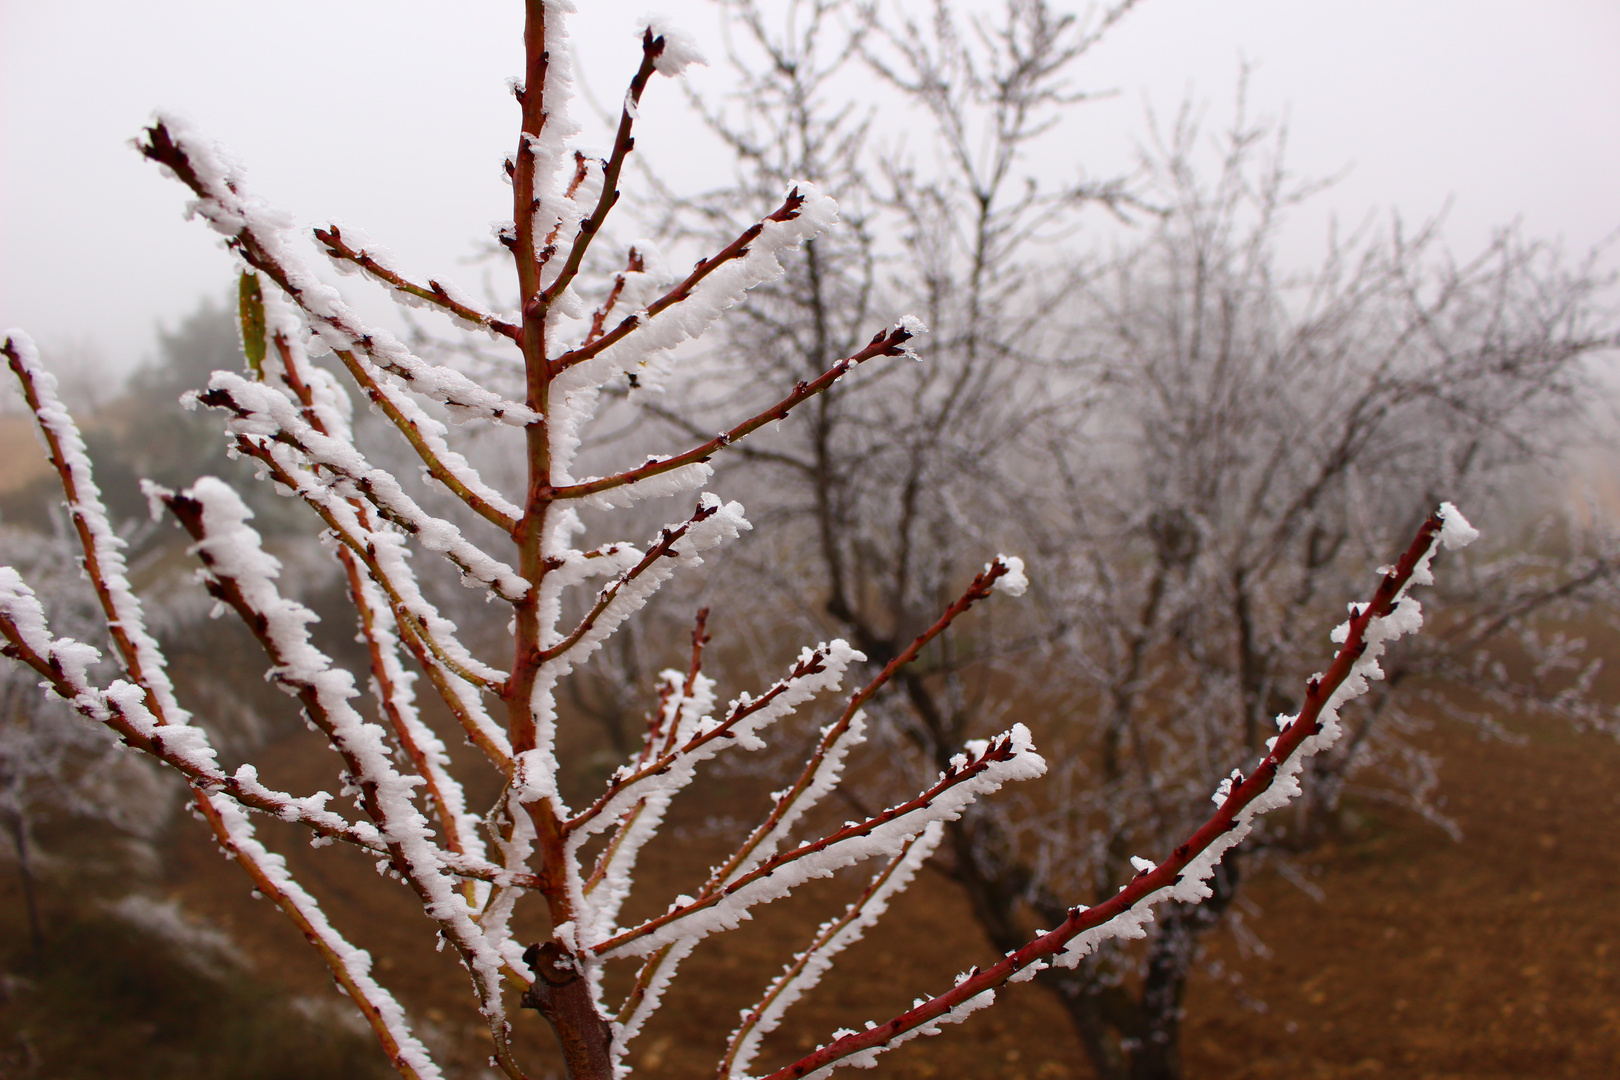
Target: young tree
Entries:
(472, 873)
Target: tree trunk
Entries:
(25, 870)
(1125, 1035)
(561, 995)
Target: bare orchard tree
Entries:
(1201, 449)
(1248, 449)
(400, 801)
(49, 763)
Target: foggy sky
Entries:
(392, 116)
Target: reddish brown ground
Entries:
(1490, 958)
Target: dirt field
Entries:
(1490, 958)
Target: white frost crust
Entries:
(333, 412)
(330, 402)
(232, 551)
(389, 566)
(1013, 582)
(834, 936)
(310, 809)
(599, 905)
(356, 962)
(680, 48)
(789, 809)
(122, 700)
(536, 778)
(496, 917)
(662, 974)
(461, 824)
(725, 910)
(271, 415)
(20, 604)
(391, 555)
(572, 408)
(867, 1059)
(1405, 617)
(675, 482)
(552, 150)
(599, 909)
(185, 743)
(232, 211)
(432, 433)
(181, 740)
(916, 328)
(1455, 532)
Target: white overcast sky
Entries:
(391, 115)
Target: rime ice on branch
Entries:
(408, 811)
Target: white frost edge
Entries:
(790, 986)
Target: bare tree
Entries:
(400, 801)
(1201, 449)
(48, 762)
(1249, 446)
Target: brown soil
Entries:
(1490, 958)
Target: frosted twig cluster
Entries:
(472, 871)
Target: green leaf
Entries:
(250, 311)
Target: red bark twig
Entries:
(735, 250)
(885, 343)
(663, 549)
(634, 264)
(652, 47)
(433, 292)
(977, 590)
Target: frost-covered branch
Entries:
(434, 292)
(824, 769)
(459, 677)
(833, 936)
(663, 548)
(183, 747)
(634, 264)
(261, 412)
(685, 728)
(597, 342)
(350, 966)
(653, 58)
(426, 436)
(241, 575)
(981, 770)
(148, 710)
(1183, 875)
(431, 639)
(260, 234)
(885, 343)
